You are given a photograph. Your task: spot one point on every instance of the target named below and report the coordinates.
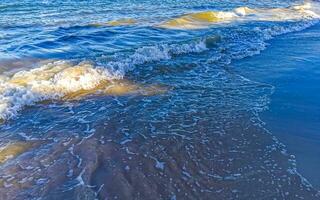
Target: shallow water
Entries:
(291, 65)
(100, 100)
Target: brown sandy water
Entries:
(208, 163)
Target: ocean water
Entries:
(291, 65)
(142, 100)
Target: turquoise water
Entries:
(140, 100)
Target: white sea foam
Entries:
(155, 53)
(51, 81)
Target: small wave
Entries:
(60, 80)
(198, 20)
(205, 19)
(51, 81)
(159, 52)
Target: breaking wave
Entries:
(65, 80)
(207, 18)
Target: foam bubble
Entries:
(243, 11)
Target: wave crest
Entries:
(61, 80)
(205, 19)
